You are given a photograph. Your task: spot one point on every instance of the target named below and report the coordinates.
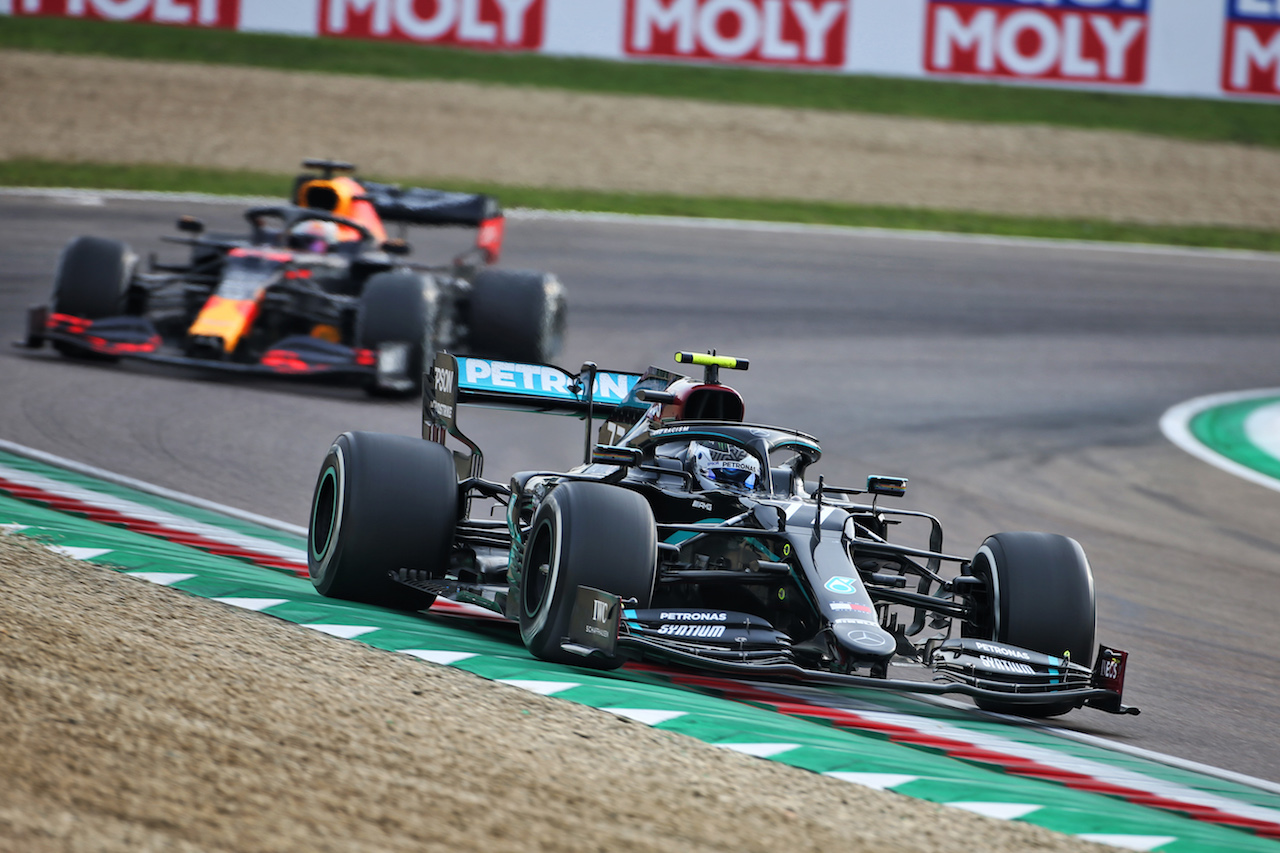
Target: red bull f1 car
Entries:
(692, 537)
(317, 287)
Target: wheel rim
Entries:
(326, 514)
(536, 579)
(325, 511)
(984, 566)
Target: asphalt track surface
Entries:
(1018, 386)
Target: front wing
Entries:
(744, 645)
(295, 356)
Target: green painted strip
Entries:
(1222, 429)
(817, 746)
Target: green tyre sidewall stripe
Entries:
(329, 476)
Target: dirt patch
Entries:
(87, 109)
(137, 718)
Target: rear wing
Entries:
(455, 380)
(419, 206)
(335, 190)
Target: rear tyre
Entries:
(583, 534)
(381, 503)
(516, 315)
(92, 281)
(1040, 598)
(398, 308)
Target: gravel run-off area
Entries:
(138, 718)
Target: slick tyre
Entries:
(92, 281)
(381, 503)
(1040, 597)
(583, 534)
(516, 315)
(398, 308)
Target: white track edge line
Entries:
(1171, 760)
(1176, 426)
(704, 222)
(1116, 746)
(148, 488)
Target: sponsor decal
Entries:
(1006, 665)
(190, 13)
(694, 616)
(612, 432)
(539, 380)
(810, 33)
(442, 410)
(599, 611)
(868, 639)
(502, 24)
(443, 379)
(1071, 41)
(1003, 650)
(1110, 669)
(856, 621)
(842, 606)
(700, 631)
(702, 505)
(1251, 53)
(592, 629)
(842, 586)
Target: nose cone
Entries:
(864, 641)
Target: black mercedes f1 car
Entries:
(316, 287)
(691, 537)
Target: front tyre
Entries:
(583, 534)
(381, 503)
(1040, 597)
(92, 282)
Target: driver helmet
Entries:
(719, 465)
(314, 235)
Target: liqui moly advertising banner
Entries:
(811, 33)
(1067, 41)
(191, 13)
(1199, 48)
(1251, 49)
(504, 24)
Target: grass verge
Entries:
(1188, 118)
(42, 173)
